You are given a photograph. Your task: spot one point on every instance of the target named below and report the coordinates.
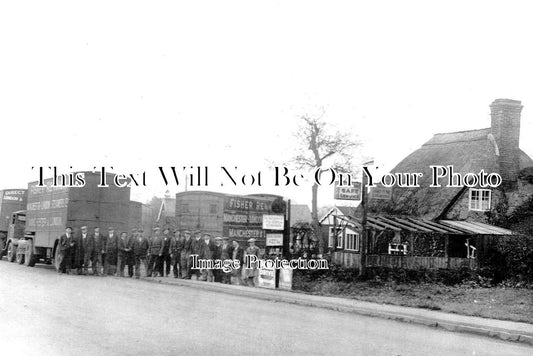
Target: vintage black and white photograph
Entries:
(266, 178)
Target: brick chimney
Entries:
(505, 125)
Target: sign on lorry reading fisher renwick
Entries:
(237, 217)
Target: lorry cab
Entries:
(16, 225)
(15, 234)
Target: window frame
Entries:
(340, 241)
(356, 241)
(477, 203)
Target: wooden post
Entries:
(362, 265)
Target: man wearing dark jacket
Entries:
(124, 249)
(197, 248)
(224, 253)
(65, 246)
(140, 250)
(156, 243)
(99, 251)
(237, 254)
(111, 253)
(185, 262)
(176, 245)
(85, 251)
(164, 262)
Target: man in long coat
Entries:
(140, 249)
(185, 262)
(86, 250)
(156, 243)
(176, 245)
(111, 253)
(99, 251)
(124, 252)
(197, 248)
(64, 247)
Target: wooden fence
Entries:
(407, 262)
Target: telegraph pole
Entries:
(362, 264)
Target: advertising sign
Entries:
(274, 239)
(381, 193)
(352, 192)
(267, 278)
(243, 218)
(273, 222)
(285, 278)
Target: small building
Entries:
(327, 230)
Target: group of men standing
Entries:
(158, 255)
(106, 255)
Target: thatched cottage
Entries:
(448, 226)
(494, 149)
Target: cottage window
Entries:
(331, 237)
(212, 209)
(339, 241)
(480, 199)
(352, 241)
(185, 208)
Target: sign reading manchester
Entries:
(243, 217)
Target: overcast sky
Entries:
(137, 85)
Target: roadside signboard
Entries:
(273, 222)
(267, 278)
(285, 278)
(274, 239)
(243, 218)
(347, 192)
(381, 193)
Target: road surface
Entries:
(44, 313)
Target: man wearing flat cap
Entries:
(176, 245)
(165, 260)
(251, 274)
(85, 251)
(99, 251)
(156, 243)
(225, 254)
(217, 251)
(140, 250)
(207, 254)
(197, 248)
(111, 252)
(185, 261)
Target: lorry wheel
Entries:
(29, 257)
(11, 252)
(56, 258)
(20, 257)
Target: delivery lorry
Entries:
(33, 234)
(11, 200)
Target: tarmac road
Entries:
(44, 313)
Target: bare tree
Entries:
(319, 142)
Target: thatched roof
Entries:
(467, 151)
